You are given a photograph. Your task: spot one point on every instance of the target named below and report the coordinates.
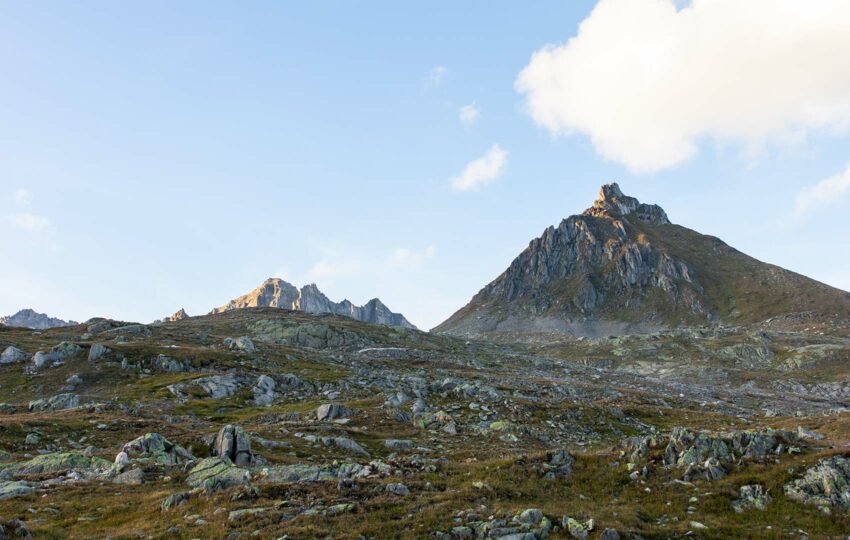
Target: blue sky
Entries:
(169, 155)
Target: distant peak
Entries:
(613, 203)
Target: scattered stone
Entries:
(398, 444)
(238, 515)
(578, 530)
(264, 391)
(174, 500)
(346, 444)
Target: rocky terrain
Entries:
(271, 423)
(27, 318)
(275, 292)
(622, 267)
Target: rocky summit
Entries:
(621, 267)
(275, 292)
(27, 318)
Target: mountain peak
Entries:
(612, 203)
(28, 318)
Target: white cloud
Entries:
(825, 192)
(480, 172)
(411, 258)
(647, 81)
(29, 222)
(436, 76)
(22, 197)
(469, 114)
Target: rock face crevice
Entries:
(621, 267)
(275, 292)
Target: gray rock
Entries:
(55, 403)
(297, 474)
(215, 473)
(827, 484)
(398, 444)
(172, 365)
(398, 489)
(215, 386)
(155, 447)
(12, 489)
(174, 500)
(345, 444)
(233, 443)
(332, 411)
(12, 355)
(609, 534)
(133, 477)
(264, 391)
(98, 351)
(241, 344)
(751, 496)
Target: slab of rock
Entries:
(172, 365)
(215, 473)
(10, 490)
(346, 444)
(12, 355)
(215, 387)
(133, 477)
(54, 463)
(56, 403)
(155, 447)
(398, 444)
(297, 474)
(398, 489)
(233, 443)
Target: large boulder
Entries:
(155, 447)
(346, 444)
(297, 474)
(233, 443)
(56, 403)
(12, 355)
(827, 484)
(57, 354)
(215, 473)
(11, 489)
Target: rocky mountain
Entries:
(27, 318)
(275, 292)
(622, 267)
(179, 315)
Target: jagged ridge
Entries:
(275, 292)
(28, 318)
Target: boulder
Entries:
(264, 391)
(241, 344)
(56, 403)
(332, 411)
(398, 444)
(233, 443)
(98, 351)
(12, 355)
(345, 444)
(215, 473)
(398, 489)
(133, 477)
(215, 387)
(175, 499)
(166, 363)
(155, 447)
(297, 474)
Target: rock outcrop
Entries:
(622, 267)
(233, 443)
(27, 318)
(275, 292)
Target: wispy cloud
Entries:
(22, 197)
(469, 114)
(826, 192)
(436, 77)
(330, 270)
(482, 171)
(411, 258)
(29, 222)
